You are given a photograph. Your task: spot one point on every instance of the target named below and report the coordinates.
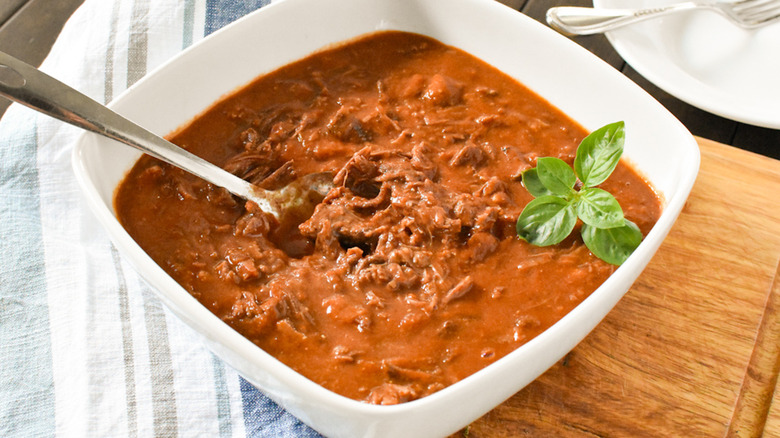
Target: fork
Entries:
(570, 20)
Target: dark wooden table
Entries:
(29, 27)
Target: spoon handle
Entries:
(29, 86)
(572, 20)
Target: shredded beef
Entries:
(408, 275)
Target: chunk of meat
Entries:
(443, 91)
(391, 394)
(470, 154)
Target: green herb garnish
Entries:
(559, 201)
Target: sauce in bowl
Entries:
(408, 276)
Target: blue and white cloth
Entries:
(86, 349)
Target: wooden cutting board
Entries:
(693, 349)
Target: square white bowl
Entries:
(580, 84)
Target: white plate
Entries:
(705, 60)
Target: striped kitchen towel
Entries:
(86, 349)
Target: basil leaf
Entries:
(533, 184)
(556, 175)
(598, 208)
(613, 245)
(598, 154)
(546, 220)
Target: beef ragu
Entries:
(408, 276)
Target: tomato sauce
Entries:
(408, 276)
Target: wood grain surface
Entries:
(772, 428)
(693, 349)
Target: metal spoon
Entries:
(29, 86)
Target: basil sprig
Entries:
(552, 215)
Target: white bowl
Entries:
(568, 76)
